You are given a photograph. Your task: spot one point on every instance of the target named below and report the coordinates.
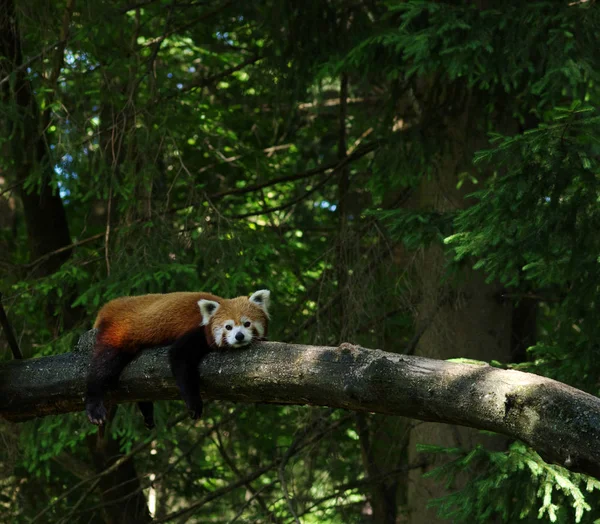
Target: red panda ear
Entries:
(207, 308)
(262, 299)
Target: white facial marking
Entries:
(262, 299)
(218, 335)
(207, 309)
(221, 332)
(260, 328)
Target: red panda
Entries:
(194, 323)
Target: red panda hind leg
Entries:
(108, 362)
(105, 367)
(147, 410)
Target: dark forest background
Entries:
(415, 176)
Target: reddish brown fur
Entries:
(134, 323)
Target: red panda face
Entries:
(236, 322)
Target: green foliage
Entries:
(534, 226)
(552, 211)
(45, 439)
(515, 486)
(539, 51)
(416, 229)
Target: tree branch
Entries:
(9, 333)
(286, 205)
(335, 166)
(558, 421)
(187, 25)
(205, 82)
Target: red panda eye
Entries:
(247, 324)
(228, 327)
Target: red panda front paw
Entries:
(96, 412)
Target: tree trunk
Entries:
(464, 315)
(122, 497)
(45, 216)
(27, 148)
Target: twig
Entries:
(378, 321)
(217, 196)
(64, 248)
(131, 7)
(257, 473)
(364, 482)
(8, 332)
(171, 466)
(281, 207)
(530, 296)
(136, 449)
(322, 309)
(107, 234)
(341, 265)
(336, 165)
(13, 186)
(334, 102)
(357, 142)
(286, 493)
(152, 58)
(192, 23)
(334, 298)
(216, 494)
(85, 495)
(340, 165)
(31, 60)
(291, 450)
(255, 494)
(204, 82)
(228, 160)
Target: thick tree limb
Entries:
(560, 422)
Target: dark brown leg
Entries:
(105, 368)
(184, 356)
(147, 409)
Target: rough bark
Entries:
(560, 422)
(123, 498)
(459, 314)
(26, 126)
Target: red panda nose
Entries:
(239, 336)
